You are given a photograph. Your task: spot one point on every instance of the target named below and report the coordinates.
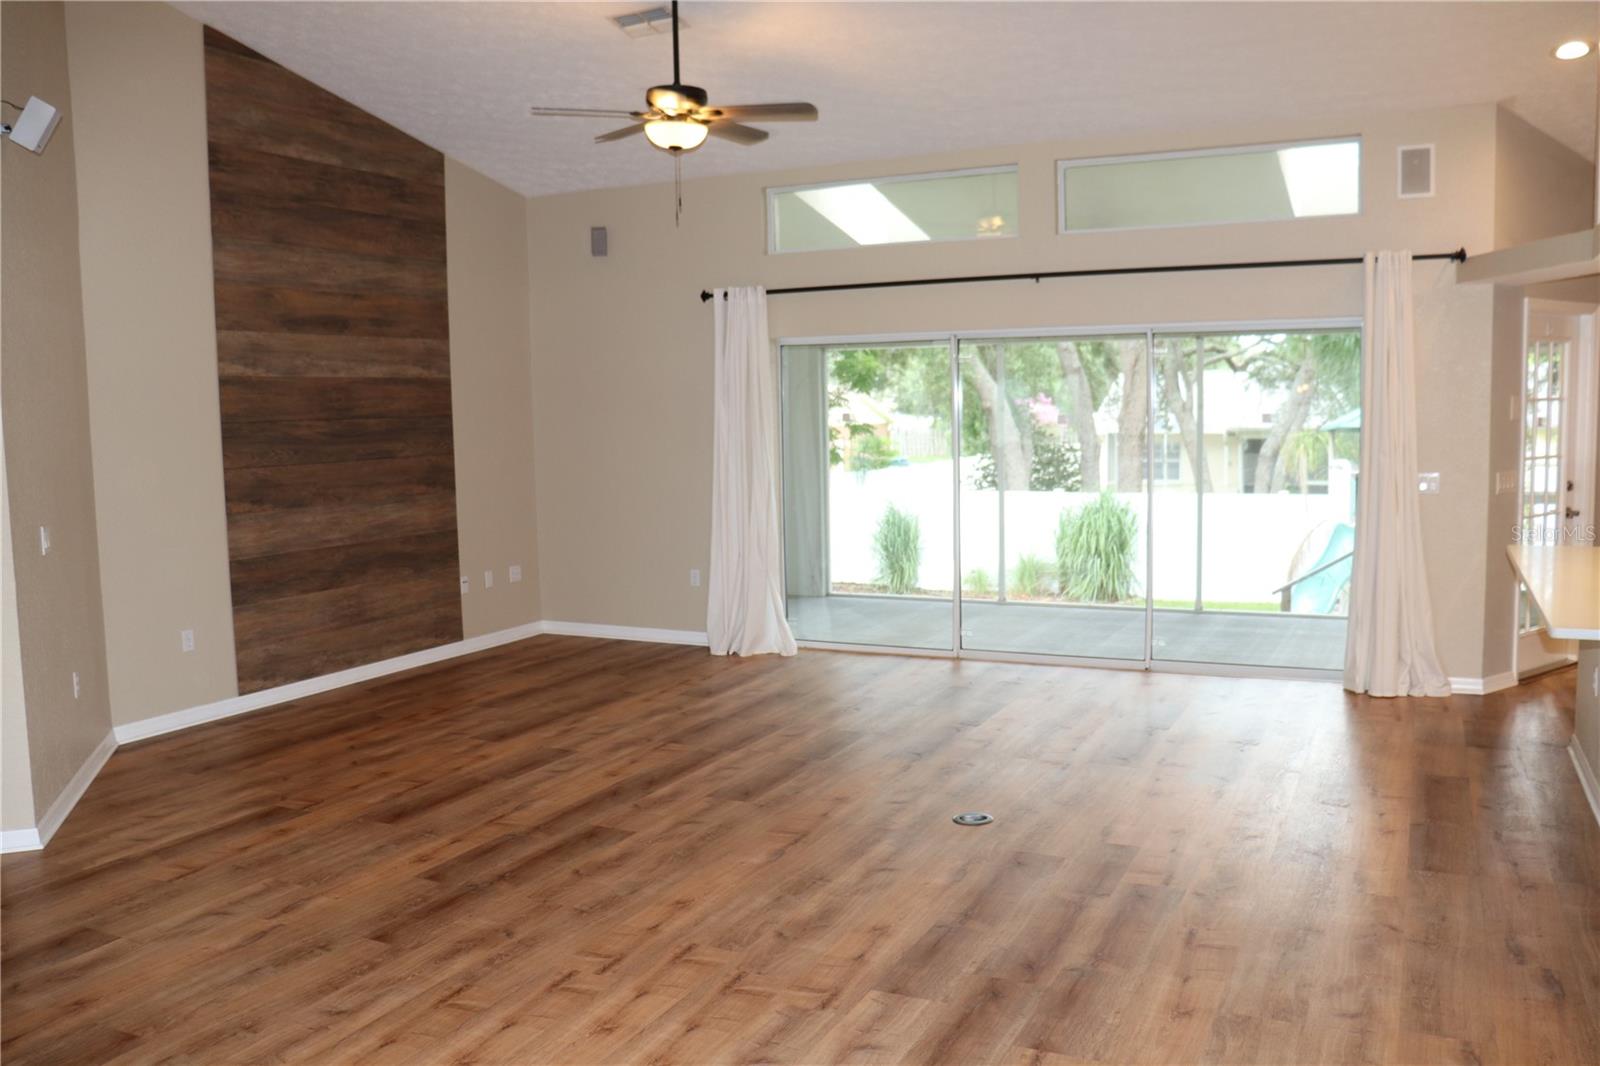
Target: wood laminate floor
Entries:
(577, 851)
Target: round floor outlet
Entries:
(973, 818)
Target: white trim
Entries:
(36, 838)
(145, 728)
(608, 632)
(19, 840)
(1586, 777)
(1160, 329)
(1482, 686)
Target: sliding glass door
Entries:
(868, 481)
(1183, 497)
(1053, 497)
(1258, 437)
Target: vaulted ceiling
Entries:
(894, 79)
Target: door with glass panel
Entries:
(1557, 432)
(1254, 452)
(868, 484)
(1053, 495)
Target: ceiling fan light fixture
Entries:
(675, 134)
(675, 99)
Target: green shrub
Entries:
(1032, 578)
(870, 452)
(978, 583)
(898, 544)
(1055, 466)
(1094, 551)
(1055, 463)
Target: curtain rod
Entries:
(1459, 256)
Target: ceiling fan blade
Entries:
(617, 135)
(581, 112)
(738, 134)
(796, 112)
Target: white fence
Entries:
(1250, 541)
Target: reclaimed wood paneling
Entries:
(333, 363)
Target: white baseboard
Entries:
(145, 728)
(1586, 776)
(605, 632)
(19, 840)
(1482, 686)
(38, 837)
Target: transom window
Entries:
(1257, 183)
(964, 205)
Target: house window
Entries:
(964, 205)
(1258, 183)
(1166, 457)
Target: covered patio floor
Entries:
(1263, 639)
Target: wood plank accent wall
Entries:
(333, 360)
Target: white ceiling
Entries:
(894, 79)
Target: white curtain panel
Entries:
(1390, 650)
(745, 615)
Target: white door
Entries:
(1557, 473)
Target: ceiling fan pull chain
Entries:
(677, 187)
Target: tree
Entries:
(1177, 395)
(1079, 410)
(1133, 414)
(1013, 450)
(1323, 376)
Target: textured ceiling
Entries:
(895, 79)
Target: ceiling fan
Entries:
(677, 117)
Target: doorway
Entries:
(1556, 469)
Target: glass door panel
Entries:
(868, 491)
(1053, 433)
(1255, 529)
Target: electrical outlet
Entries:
(1596, 681)
(77, 689)
(694, 579)
(186, 639)
(1428, 484)
(44, 540)
(488, 579)
(466, 585)
(513, 574)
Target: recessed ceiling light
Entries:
(1572, 50)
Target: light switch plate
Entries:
(488, 579)
(514, 574)
(1428, 483)
(1505, 481)
(466, 585)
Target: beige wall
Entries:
(16, 777)
(151, 329)
(145, 235)
(44, 393)
(1586, 724)
(1542, 188)
(491, 398)
(622, 345)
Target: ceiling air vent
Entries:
(647, 23)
